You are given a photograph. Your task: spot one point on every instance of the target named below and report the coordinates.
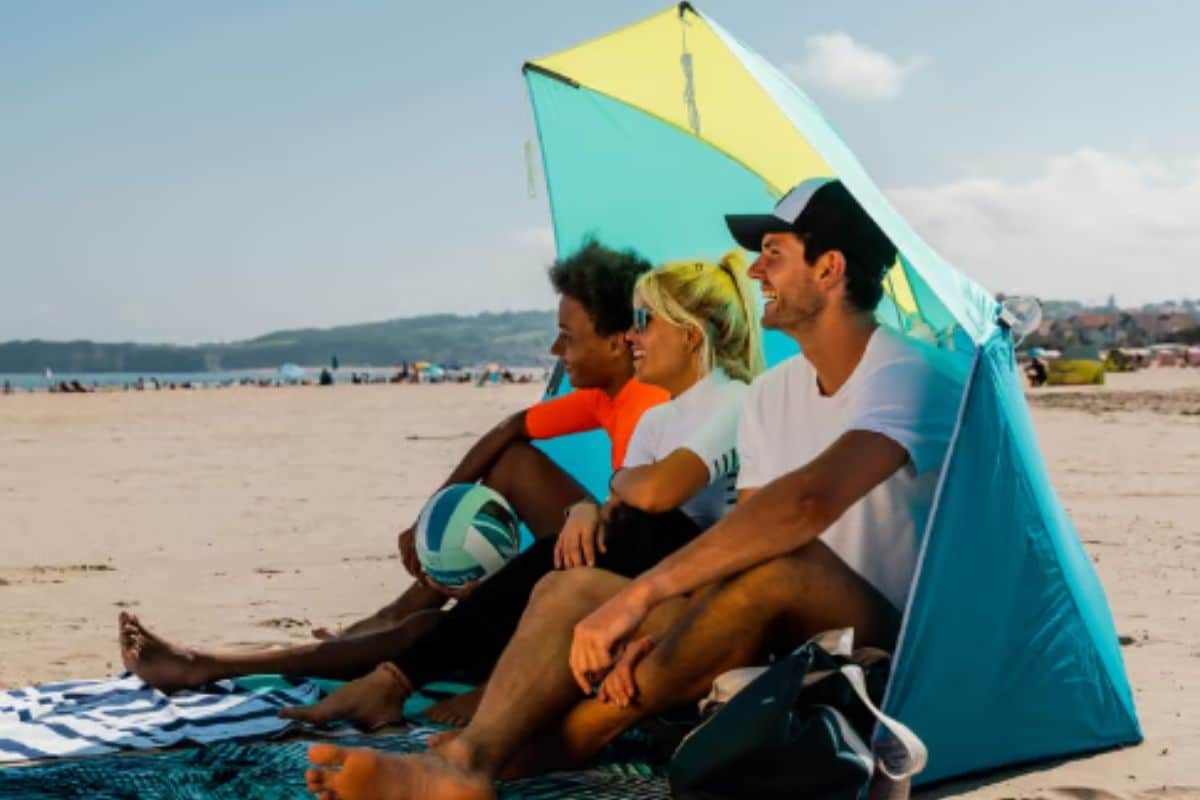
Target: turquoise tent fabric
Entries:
(1008, 651)
(627, 180)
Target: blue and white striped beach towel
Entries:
(94, 717)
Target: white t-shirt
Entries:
(704, 419)
(894, 391)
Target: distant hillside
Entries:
(518, 337)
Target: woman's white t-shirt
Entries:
(704, 420)
(895, 391)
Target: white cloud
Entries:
(837, 63)
(1092, 223)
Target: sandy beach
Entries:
(247, 516)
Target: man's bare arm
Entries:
(474, 465)
(663, 485)
(484, 453)
(777, 518)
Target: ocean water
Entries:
(23, 381)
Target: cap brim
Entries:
(748, 230)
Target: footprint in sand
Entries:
(285, 623)
(1171, 793)
(43, 569)
(1084, 793)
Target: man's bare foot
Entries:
(157, 662)
(373, 700)
(340, 774)
(457, 710)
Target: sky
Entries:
(205, 172)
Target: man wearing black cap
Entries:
(840, 447)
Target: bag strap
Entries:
(901, 753)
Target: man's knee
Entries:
(783, 578)
(514, 461)
(582, 586)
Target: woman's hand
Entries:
(581, 537)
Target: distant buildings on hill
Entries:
(1068, 323)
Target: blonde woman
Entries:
(695, 335)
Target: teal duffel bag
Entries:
(799, 730)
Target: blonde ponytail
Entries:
(718, 301)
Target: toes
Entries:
(318, 782)
(326, 755)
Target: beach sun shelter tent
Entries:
(649, 135)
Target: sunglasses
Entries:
(641, 319)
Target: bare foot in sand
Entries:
(374, 700)
(367, 775)
(157, 662)
(456, 711)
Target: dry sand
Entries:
(246, 516)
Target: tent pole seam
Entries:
(933, 516)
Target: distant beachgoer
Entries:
(326, 378)
(8, 387)
(1036, 372)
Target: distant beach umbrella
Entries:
(291, 373)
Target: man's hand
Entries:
(582, 535)
(619, 687)
(598, 635)
(407, 542)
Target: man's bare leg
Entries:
(775, 605)
(531, 688)
(170, 668)
(414, 600)
(538, 489)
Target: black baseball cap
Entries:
(821, 208)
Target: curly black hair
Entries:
(601, 280)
